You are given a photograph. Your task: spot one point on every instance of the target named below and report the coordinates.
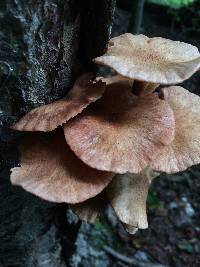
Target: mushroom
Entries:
(50, 170)
(131, 135)
(121, 132)
(127, 194)
(90, 209)
(150, 61)
(48, 117)
(184, 151)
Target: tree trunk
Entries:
(44, 46)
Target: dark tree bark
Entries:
(44, 46)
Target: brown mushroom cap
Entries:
(155, 60)
(50, 170)
(90, 209)
(121, 132)
(48, 117)
(184, 151)
(127, 194)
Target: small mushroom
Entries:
(127, 194)
(151, 60)
(121, 132)
(90, 209)
(184, 151)
(50, 170)
(48, 117)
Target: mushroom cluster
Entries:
(119, 132)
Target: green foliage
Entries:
(153, 201)
(102, 234)
(185, 15)
(173, 3)
(187, 18)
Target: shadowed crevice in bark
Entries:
(95, 29)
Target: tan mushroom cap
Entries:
(50, 170)
(48, 117)
(121, 132)
(155, 60)
(90, 209)
(184, 151)
(128, 194)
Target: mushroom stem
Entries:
(141, 88)
(90, 209)
(127, 194)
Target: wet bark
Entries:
(44, 46)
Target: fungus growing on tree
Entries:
(129, 131)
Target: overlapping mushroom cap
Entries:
(154, 60)
(50, 170)
(48, 117)
(121, 132)
(184, 151)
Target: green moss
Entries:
(172, 3)
(102, 234)
(153, 201)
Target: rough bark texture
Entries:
(44, 46)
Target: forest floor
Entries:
(173, 236)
